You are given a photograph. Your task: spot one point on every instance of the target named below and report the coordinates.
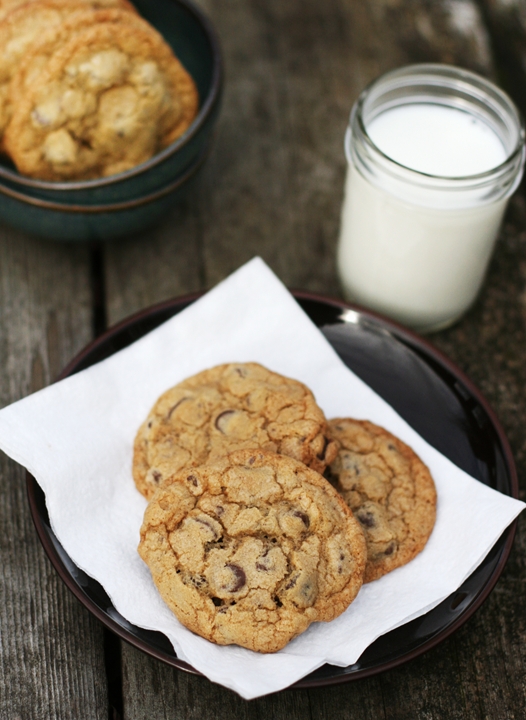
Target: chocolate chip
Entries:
(156, 476)
(175, 407)
(240, 578)
(291, 583)
(215, 544)
(206, 524)
(308, 592)
(222, 420)
(197, 581)
(192, 479)
(321, 454)
(252, 460)
(278, 602)
(305, 589)
(367, 519)
(303, 517)
(390, 549)
(217, 601)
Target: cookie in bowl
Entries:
(252, 549)
(23, 26)
(102, 208)
(109, 99)
(41, 50)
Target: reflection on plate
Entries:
(424, 387)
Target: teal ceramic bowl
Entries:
(84, 223)
(59, 209)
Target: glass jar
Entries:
(424, 201)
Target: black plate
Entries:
(424, 387)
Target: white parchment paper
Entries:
(76, 438)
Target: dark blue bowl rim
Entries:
(112, 207)
(207, 108)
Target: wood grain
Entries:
(51, 653)
(506, 23)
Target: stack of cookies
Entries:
(263, 517)
(87, 88)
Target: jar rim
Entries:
(439, 71)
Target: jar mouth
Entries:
(486, 174)
(446, 86)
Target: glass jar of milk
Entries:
(434, 152)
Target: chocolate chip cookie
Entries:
(388, 488)
(22, 26)
(226, 408)
(42, 49)
(108, 99)
(252, 549)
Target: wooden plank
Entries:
(488, 344)
(506, 23)
(51, 649)
(152, 690)
(164, 262)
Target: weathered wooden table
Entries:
(272, 187)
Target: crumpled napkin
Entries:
(76, 438)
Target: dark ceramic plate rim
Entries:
(202, 116)
(327, 675)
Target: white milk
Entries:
(437, 140)
(419, 221)
(421, 266)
